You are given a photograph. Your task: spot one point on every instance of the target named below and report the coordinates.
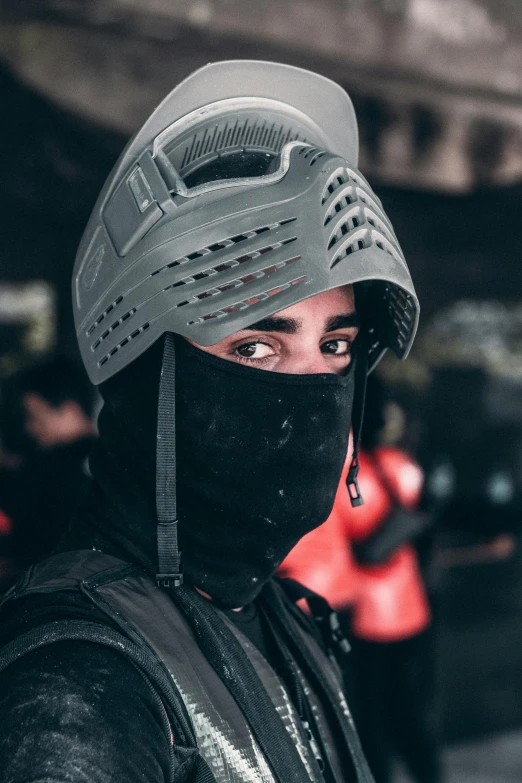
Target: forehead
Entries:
(338, 301)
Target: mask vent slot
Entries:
(231, 264)
(342, 177)
(391, 312)
(348, 198)
(103, 315)
(112, 327)
(375, 221)
(402, 314)
(243, 305)
(238, 282)
(358, 218)
(355, 217)
(311, 154)
(362, 240)
(225, 243)
(132, 336)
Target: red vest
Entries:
(388, 601)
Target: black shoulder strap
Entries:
(325, 617)
(275, 601)
(175, 723)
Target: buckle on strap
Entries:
(356, 499)
(169, 580)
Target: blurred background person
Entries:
(390, 623)
(50, 409)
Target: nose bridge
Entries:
(308, 361)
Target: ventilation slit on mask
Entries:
(222, 244)
(103, 315)
(238, 282)
(312, 154)
(232, 263)
(112, 327)
(127, 339)
(352, 212)
(342, 177)
(242, 305)
(402, 313)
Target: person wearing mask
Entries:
(237, 279)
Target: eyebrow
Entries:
(292, 325)
(284, 325)
(346, 321)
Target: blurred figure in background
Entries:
(52, 403)
(391, 617)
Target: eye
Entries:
(336, 347)
(254, 351)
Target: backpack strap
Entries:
(325, 618)
(329, 688)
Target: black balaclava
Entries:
(259, 456)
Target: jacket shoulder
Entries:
(50, 591)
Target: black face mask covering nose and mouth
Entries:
(259, 456)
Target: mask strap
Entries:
(359, 397)
(169, 556)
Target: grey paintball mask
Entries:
(239, 197)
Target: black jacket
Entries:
(76, 703)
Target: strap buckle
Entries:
(356, 499)
(169, 580)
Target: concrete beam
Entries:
(438, 83)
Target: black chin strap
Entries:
(359, 397)
(169, 556)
